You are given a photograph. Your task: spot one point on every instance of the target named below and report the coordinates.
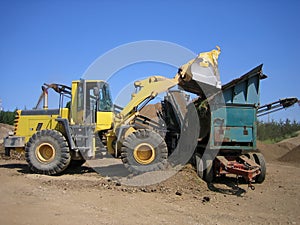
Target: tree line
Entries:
(276, 131)
(7, 117)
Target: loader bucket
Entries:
(201, 75)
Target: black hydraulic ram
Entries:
(276, 106)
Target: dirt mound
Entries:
(291, 142)
(287, 150)
(292, 156)
(272, 152)
(186, 181)
(150, 111)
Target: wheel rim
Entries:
(45, 152)
(144, 153)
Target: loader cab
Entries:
(92, 104)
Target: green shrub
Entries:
(276, 131)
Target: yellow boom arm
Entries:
(149, 88)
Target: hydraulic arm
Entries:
(193, 76)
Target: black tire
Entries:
(144, 151)
(204, 169)
(7, 152)
(260, 160)
(47, 152)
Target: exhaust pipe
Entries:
(45, 92)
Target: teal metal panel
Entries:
(234, 116)
(244, 90)
(234, 127)
(253, 91)
(238, 134)
(239, 93)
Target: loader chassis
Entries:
(52, 139)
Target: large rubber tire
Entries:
(47, 152)
(204, 169)
(260, 160)
(154, 147)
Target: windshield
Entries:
(104, 102)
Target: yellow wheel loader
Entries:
(54, 139)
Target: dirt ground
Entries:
(82, 196)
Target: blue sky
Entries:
(56, 41)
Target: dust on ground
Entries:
(82, 196)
